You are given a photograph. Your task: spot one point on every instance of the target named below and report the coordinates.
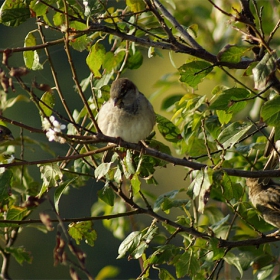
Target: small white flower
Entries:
(46, 125)
(52, 126)
(51, 134)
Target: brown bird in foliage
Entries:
(265, 194)
(127, 114)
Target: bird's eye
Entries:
(1, 131)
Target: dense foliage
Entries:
(208, 229)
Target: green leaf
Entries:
(135, 183)
(11, 101)
(232, 53)
(134, 60)
(80, 43)
(264, 272)
(160, 147)
(224, 117)
(128, 165)
(107, 272)
(169, 103)
(83, 231)
(102, 170)
(59, 191)
(264, 70)
(16, 213)
(96, 58)
(230, 190)
(163, 254)
(112, 60)
(193, 73)
(213, 126)
(169, 203)
(215, 227)
(218, 252)
(168, 130)
(20, 254)
(233, 260)
(31, 58)
(270, 111)
(201, 187)
(229, 100)
(187, 264)
(165, 275)
(5, 183)
(14, 12)
(107, 195)
(51, 174)
(195, 146)
(129, 244)
(233, 133)
(39, 8)
(135, 5)
(47, 104)
(161, 198)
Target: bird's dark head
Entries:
(123, 92)
(5, 133)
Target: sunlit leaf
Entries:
(270, 111)
(224, 117)
(107, 272)
(102, 170)
(20, 254)
(168, 130)
(95, 58)
(135, 5)
(193, 72)
(83, 231)
(50, 174)
(230, 100)
(107, 195)
(47, 104)
(187, 264)
(232, 53)
(233, 133)
(31, 58)
(264, 70)
(160, 200)
(135, 183)
(16, 213)
(129, 244)
(14, 12)
(230, 258)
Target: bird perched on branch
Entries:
(5, 134)
(127, 114)
(264, 193)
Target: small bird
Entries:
(264, 193)
(127, 114)
(266, 199)
(5, 134)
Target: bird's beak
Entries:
(9, 137)
(117, 101)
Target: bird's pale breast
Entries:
(130, 126)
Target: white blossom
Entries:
(52, 127)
